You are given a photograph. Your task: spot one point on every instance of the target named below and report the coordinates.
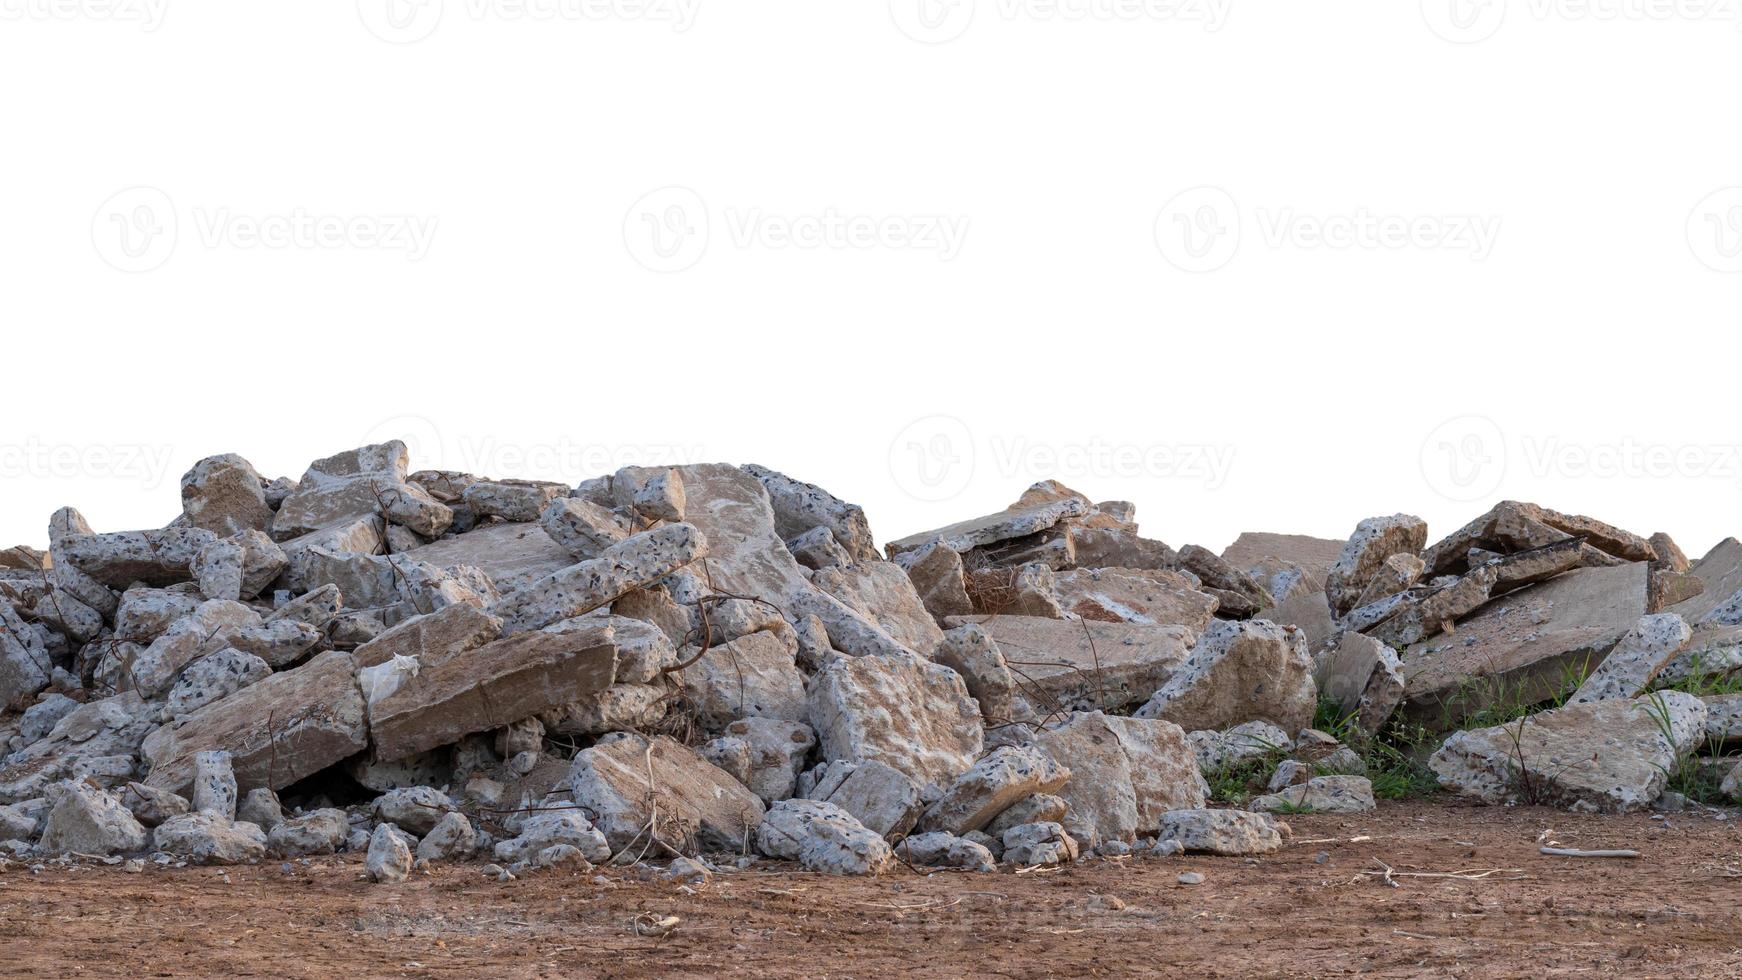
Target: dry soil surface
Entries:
(1311, 910)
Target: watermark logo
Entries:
(932, 458)
(34, 459)
(1464, 458)
(400, 21)
(669, 230)
(410, 21)
(939, 21)
(932, 21)
(146, 14)
(1464, 21)
(135, 229)
(138, 229)
(1715, 230)
(1202, 229)
(1198, 230)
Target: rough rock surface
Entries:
(1234, 833)
(1240, 672)
(698, 803)
(1125, 772)
(990, 786)
(822, 837)
(1321, 794)
(1611, 756)
(913, 715)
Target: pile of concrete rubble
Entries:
(711, 665)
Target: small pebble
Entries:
(1191, 878)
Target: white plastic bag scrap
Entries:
(381, 680)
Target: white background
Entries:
(1584, 357)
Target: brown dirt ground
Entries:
(1306, 911)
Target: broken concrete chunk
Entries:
(1321, 794)
(882, 593)
(877, 795)
(122, 558)
(85, 820)
(635, 562)
(286, 727)
(1375, 539)
(1019, 519)
(1434, 612)
(1039, 808)
(1035, 844)
(798, 507)
(990, 786)
(938, 578)
(1637, 658)
(1525, 646)
(224, 495)
(1398, 573)
(1150, 597)
(416, 808)
(775, 751)
(1030, 589)
(389, 858)
(211, 678)
(1611, 756)
(1125, 773)
(941, 850)
(512, 500)
(319, 832)
(699, 805)
(1240, 672)
(433, 638)
(822, 837)
(1069, 665)
(205, 838)
(659, 497)
(752, 676)
(911, 714)
(451, 839)
(1231, 833)
(361, 483)
(1239, 593)
(512, 556)
(430, 704)
(818, 549)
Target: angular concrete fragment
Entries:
(1523, 568)
(512, 500)
(1313, 556)
(1084, 665)
(1433, 612)
(1039, 808)
(1230, 833)
(417, 809)
(752, 676)
(941, 850)
(1321, 794)
(581, 588)
(97, 741)
(389, 858)
(990, 786)
(775, 751)
(1375, 539)
(1365, 679)
(1029, 589)
(1149, 597)
(121, 558)
(877, 795)
(911, 714)
(279, 643)
(205, 838)
(360, 483)
(1240, 672)
(1637, 658)
(699, 805)
(1244, 743)
(1125, 772)
(620, 707)
(286, 727)
(318, 832)
(1397, 574)
(799, 507)
(85, 820)
(817, 549)
(882, 593)
(207, 630)
(1524, 646)
(822, 837)
(212, 678)
(1039, 844)
(262, 561)
(224, 495)
(500, 683)
(1611, 756)
(747, 556)
(1239, 594)
(582, 528)
(512, 555)
(452, 839)
(971, 652)
(24, 663)
(1022, 518)
(938, 578)
(435, 637)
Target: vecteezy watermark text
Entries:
(409, 21)
(36, 459)
(147, 14)
(670, 229)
